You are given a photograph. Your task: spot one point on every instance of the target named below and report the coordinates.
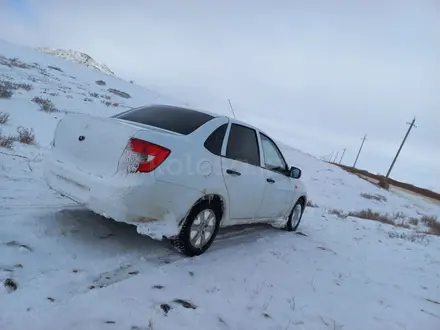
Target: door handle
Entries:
(270, 180)
(232, 172)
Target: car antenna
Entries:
(230, 104)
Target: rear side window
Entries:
(175, 119)
(214, 142)
(243, 145)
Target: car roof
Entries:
(213, 114)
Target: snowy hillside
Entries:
(77, 57)
(63, 267)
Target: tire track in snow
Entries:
(228, 238)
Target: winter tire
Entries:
(295, 216)
(199, 229)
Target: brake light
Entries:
(151, 155)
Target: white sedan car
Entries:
(175, 173)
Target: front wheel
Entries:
(295, 217)
(199, 229)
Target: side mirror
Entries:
(295, 172)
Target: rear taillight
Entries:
(150, 155)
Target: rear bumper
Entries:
(155, 207)
(103, 196)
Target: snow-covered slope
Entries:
(76, 270)
(69, 86)
(77, 57)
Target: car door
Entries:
(279, 191)
(244, 178)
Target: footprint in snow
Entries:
(21, 247)
(10, 285)
(166, 308)
(185, 303)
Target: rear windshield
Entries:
(175, 119)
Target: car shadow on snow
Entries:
(91, 230)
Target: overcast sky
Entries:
(319, 74)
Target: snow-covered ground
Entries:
(76, 270)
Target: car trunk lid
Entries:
(92, 144)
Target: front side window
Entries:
(243, 145)
(273, 159)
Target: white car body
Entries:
(91, 162)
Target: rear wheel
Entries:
(295, 216)
(199, 229)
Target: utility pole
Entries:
(230, 104)
(360, 149)
(343, 153)
(411, 125)
(336, 156)
(331, 156)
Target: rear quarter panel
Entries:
(191, 165)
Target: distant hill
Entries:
(77, 57)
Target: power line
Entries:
(411, 125)
(360, 149)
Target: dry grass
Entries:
(13, 62)
(369, 214)
(119, 93)
(7, 141)
(25, 135)
(399, 215)
(384, 184)
(46, 105)
(311, 204)
(338, 212)
(55, 68)
(413, 221)
(402, 224)
(4, 118)
(432, 223)
(26, 87)
(375, 197)
(5, 93)
(398, 219)
(110, 104)
(7, 88)
(412, 237)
